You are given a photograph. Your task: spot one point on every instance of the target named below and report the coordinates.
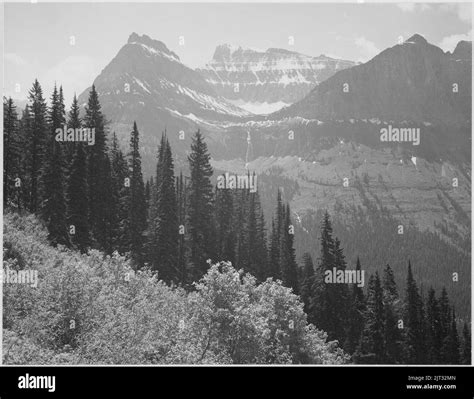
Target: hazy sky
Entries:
(38, 36)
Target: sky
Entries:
(70, 43)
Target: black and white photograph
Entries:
(226, 183)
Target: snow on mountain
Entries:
(265, 81)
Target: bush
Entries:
(93, 309)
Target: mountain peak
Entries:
(224, 51)
(463, 50)
(417, 39)
(150, 43)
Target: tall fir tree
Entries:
(444, 326)
(466, 345)
(23, 185)
(329, 301)
(53, 202)
(98, 179)
(433, 328)
(273, 269)
(164, 226)
(118, 201)
(77, 201)
(371, 349)
(12, 148)
(181, 196)
(137, 202)
(287, 261)
(392, 334)
(36, 142)
(73, 122)
(307, 280)
(224, 225)
(355, 320)
(201, 208)
(414, 339)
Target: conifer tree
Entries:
(23, 185)
(77, 203)
(433, 332)
(164, 226)
(53, 203)
(392, 334)
(414, 340)
(200, 208)
(224, 225)
(181, 212)
(118, 202)
(288, 266)
(466, 345)
(74, 122)
(327, 305)
(444, 326)
(357, 309)
(11, 149)
(371, 348)
(98, 178)
(137, 203)
(36, 142)
(307, 280)
(273, 269)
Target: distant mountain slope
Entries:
(262, 80)
(413, 81)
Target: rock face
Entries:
(264, 81)
(413, 81)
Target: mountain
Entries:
(148, 83)
(264, 81)
(411, 81)
(310, 147)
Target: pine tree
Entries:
(433, 332)
(23, 185)
(118, 201)
(224, 225)
(77, 203)
(328, 305)
(273, 269)
(444, 326)
(288, 266)
(164, 227)
(36, 142)
(307, 280)
(98, 179)
(357, 309)
(181, 212)
(200, 213)
(74, 122)
(11, 149)
(414, 323)
(392, 335)
(371, 349)
(451, 342)
(466, 345)
(137, 202)
(53, 203)
(340, 295)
